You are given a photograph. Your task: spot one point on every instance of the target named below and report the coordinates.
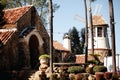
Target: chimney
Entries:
(67, 42)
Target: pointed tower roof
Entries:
(98, 20)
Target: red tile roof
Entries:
(12, 15)
(5, 35)
(81, 58)
(58, 46)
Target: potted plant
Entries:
(44, 58)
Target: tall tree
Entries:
(91, 26)
(112, 26)
(51, 34)
(75, 41)
(41, 6)
(86, 32)
(82, 40)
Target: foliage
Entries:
(44, 56)
(75, 69)
(75, 41)
(92, 0)
(71, 58)
(99, 68)
(82, 39)
(93, 61)
(95, 56)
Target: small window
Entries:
(99, 32)
(105, 32)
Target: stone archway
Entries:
(34, 51)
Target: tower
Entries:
(100, 36)
(67, 42)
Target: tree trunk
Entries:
(91, 29)
(51, 34)
(112, 34)
(86, 33)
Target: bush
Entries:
(44, 56)
(100, 69)
(75, 69)
(93, 61)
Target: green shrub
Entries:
(75, 69)
(44, 56)
(93, 61)
(100, 69)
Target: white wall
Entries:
(108, 62)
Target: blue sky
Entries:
(64, 17)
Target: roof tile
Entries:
(12, 15)
(58, 46)
(81, 58)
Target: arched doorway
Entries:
(34, 52)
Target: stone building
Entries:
(23, 38)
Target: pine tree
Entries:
(82, 40)
(75, 41)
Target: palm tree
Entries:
(91, 26)
(86, 32)
(51, 34)
(112, 34)
(86, 28)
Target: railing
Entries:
(69, 64)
